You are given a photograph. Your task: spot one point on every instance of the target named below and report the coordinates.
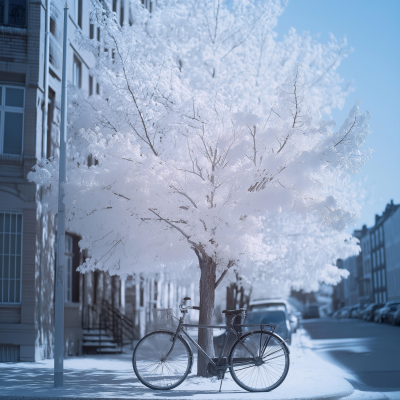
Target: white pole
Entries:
(46, 80)
(59, 300)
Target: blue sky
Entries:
(372, 28)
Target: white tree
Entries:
(184, 171)
(208, 192)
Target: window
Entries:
(148, 4)
(378, 258)
(11, 119)
(141, 294)
(384, 297)
(382, 255)
(375, 282)
(13, 13)
(53, 26)
(69, 255)
(10, 257)
(78, 12)
(77, 72)
(373, 260)
(91, 31)
(381, 234)
(373, 240)
(367, 288)
(383, 278)
(50, 118)
(376, 237)
(90, 85)
(379, 278)
(122, 14)
(97, 89)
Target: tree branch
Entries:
(230, 264)
(344, 137)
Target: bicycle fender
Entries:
(287, 348)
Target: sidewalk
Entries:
(112, 377)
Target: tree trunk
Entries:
(207, 297)
(231, 294)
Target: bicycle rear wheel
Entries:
(260, 361)
(150, 365)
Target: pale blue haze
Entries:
(372, 29)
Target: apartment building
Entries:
(27, 231)
(375, 272)
(391, 232)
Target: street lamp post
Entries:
(60, 270)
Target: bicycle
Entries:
(258, 360)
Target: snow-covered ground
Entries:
(112, 376)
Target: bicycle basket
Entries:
(162, 318)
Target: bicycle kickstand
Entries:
(220, 386)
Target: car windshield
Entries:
(269, 317)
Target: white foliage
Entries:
(199, 153)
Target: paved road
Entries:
(368, 351)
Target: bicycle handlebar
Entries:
(188, 307)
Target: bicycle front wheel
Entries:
(259, 361)
(157, 369)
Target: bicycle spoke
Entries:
(150, 364)
(267, 369)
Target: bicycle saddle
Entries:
(234, 312)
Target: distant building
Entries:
(366, 292)
(375, 272)
(351, 285)
(391, 233)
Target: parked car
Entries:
(396, 317)
(375, 316)
(358, 312)
(349, 311)
(391, 315)
(368, 314)
(341, 313)
(381, 314)
(276, 317)
(277, 304)
(337, 313)
(311, 311)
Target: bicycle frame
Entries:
(229, 330)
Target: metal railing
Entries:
(110, 320)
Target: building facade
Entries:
(27, 232)
(391, 233)
(375, 273)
